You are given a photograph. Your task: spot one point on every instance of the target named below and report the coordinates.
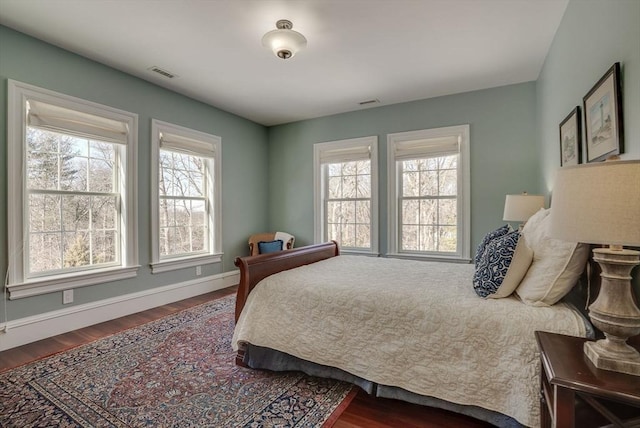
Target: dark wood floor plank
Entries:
(363, 412)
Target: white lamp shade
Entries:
(597, 203)
(521, 207)
(284, 40)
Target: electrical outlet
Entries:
(67, 296)
(198, 270)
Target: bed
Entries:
(410, 330)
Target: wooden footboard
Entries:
(255, 268)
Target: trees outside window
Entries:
(429, 193)
(428, 202)
(346, 193)
(183, 204)
(72, 202)
(186, 184)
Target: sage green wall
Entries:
(244, 150)
(504, 155)
(592, 36)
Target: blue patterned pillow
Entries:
(488, 238)
(494, 264)
(265, 247)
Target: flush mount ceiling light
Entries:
(284, 42)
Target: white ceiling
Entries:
(390, 50)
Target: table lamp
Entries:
(599, 203)
(521, 207)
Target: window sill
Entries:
(64, 282)
(359, 253)
(184, 262)
(428, 257)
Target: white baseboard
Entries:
(30, 329)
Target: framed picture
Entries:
(571, 139)
(603, 117)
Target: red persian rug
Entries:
(178, 371)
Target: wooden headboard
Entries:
(255, 268)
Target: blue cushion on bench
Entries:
(265, 247)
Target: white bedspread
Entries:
(415, 325)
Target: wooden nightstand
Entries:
(574, 393)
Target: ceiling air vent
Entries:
(162, 72)
(367, 102)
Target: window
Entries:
(346, 201)
(185, 197)
(429, 193)
(73, 220)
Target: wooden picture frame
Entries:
(603, 117)
(571, 139)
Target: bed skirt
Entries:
(268, 359)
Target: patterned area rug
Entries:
(178, 371)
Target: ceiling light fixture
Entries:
(284, 42)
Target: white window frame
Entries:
(19, 284)
(334, 148)
(213, 191)
(463, 188)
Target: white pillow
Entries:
(556, 265)
(531, 229)
(522, 258)
(286, 238)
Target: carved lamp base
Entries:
(615, 313)
(625, 361)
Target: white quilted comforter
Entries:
(415, 325)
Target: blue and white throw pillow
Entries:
(493, 266)
(488, 238)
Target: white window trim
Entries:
(214, 255)
(18, 284)
(464, 192)
(318, 206)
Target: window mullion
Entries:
(69, 193)
(58, 166)
(205, 191)
(183, 198)
(120, 249)
(348, 199)
(325, 201)
(61, 233)
(91, 231)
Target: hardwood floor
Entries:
(363, 412)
